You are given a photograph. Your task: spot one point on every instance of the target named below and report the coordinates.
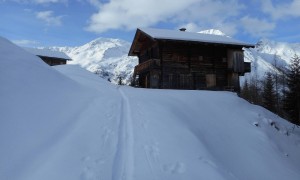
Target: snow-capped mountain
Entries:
(213, 31)
(270, 56)
(267, 56)
(109, 57)
(106, 57)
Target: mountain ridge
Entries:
(109, 58)
(106, 57)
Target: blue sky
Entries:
(75, 22)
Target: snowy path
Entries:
(124, 158)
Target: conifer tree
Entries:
(245, 92)
(268, 93)
(120, 80)
(276, 82)
(292, 96)
(254, 91)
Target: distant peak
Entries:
(102, 40)
(213, 31)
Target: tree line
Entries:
(277, 92)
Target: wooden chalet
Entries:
(170, 59)
(50, 57)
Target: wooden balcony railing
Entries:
(146, 66)
(241, 68)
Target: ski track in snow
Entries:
(123, 166)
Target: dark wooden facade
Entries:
(50, 57)
(53, 61)
(181, 64)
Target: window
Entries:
(200, 58)
(238, 62)
(210, 80)
(170, 80)
(182, 80)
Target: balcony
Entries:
(146, 66)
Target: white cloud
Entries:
(228, 28)
(130, 14)
(282, 10)
(220, 15)
(256, 27)
(49, 18)
(25, 42)
(95, 3)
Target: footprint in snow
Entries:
(207, 161)
(106, 134)
(145, 124)
(85, 158)
(100, 161)
(87, 174)
(152, 152)
(90, 170)
(109, 116)
(175, 168)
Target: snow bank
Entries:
(66, 123)
(38, 107)
(210, 135)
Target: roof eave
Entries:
(55, 58)
(135, 39)
(131, 53)
(206, 42)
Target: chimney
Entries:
(182, 29)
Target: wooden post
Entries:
(160, 49)
(191, 86)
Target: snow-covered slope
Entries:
(66, 123)
(39, 107)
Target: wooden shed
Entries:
(170, 59)
(50, 57)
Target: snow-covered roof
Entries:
(47, 53)
(191, 36)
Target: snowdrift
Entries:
(67, 123)
(38, 108)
